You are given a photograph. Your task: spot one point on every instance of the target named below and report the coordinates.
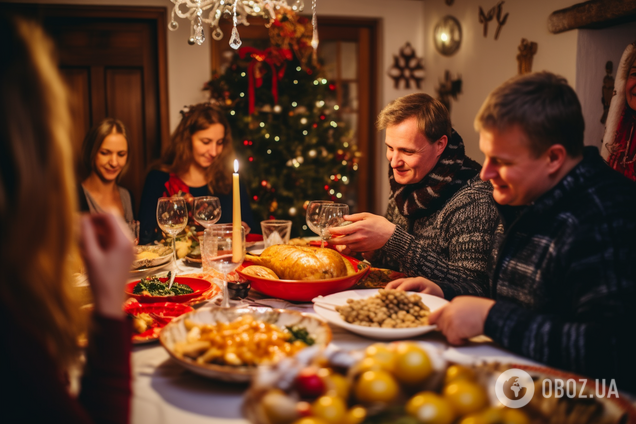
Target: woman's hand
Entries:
(108, 254)
(417, 284)
(368, 232)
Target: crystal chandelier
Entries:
(237, 9)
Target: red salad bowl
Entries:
(199, 286)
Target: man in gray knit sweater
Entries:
(440, 218)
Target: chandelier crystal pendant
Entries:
(197, 10)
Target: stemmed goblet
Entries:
(313, 214)
(225, 251)
(172, 217)
(206, 210)
(331, 216)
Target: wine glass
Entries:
(206, 210)
(313, 214)
(225, 251)
(172, 217)
(331, 216)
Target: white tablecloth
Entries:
(166, 393)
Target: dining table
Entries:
(166, 393)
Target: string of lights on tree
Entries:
(285, 124)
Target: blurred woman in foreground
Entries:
(40, 316)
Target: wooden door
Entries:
(114, 62)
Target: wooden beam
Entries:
(592, 14)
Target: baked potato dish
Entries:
(303, 262)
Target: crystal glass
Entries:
(206, 210)
(331, 216)
(172, 217)
(313, 214)
(224, 251)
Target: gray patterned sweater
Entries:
(451, 247)
(564, 276)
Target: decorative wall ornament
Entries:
(448, 88)
(484, 18)
(447, 35)
(607, 90)
(407, 67)
(527, 50)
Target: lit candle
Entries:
(236, 216)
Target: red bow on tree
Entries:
(275, 57)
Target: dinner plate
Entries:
(164, 252)
(176, 332)
(199, 286)
(333, 317)
(166, 311)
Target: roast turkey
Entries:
(303, 262)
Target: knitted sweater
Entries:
(451, 246)
(564, 275)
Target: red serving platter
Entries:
(167, 311)
(305, 290)
(197, 284)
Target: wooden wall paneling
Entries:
(78, 82)
(124, 101)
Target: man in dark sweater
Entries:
(441, 218)
(563, 271)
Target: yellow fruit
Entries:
(337, 385)
(355, 415)
(310, 420)
(514, 416)
(368, 364)
(376, 386)
(412, 364)
(430, 408)
(383, 355)
(458, 372)
(491, 416)
(331, 409)
(279, 408)
(465, 396)
(472, 419)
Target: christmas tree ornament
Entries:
(293, 153)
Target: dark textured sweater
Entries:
(32, 387)
(450, 247)
(564, 275)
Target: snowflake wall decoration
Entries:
(407, 67)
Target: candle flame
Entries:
(235, 166)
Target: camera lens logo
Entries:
(514, 388)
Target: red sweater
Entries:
(35, 391)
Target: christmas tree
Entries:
(285, 124)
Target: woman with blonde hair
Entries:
(198, 162)
(105, 158)
(39, 311)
